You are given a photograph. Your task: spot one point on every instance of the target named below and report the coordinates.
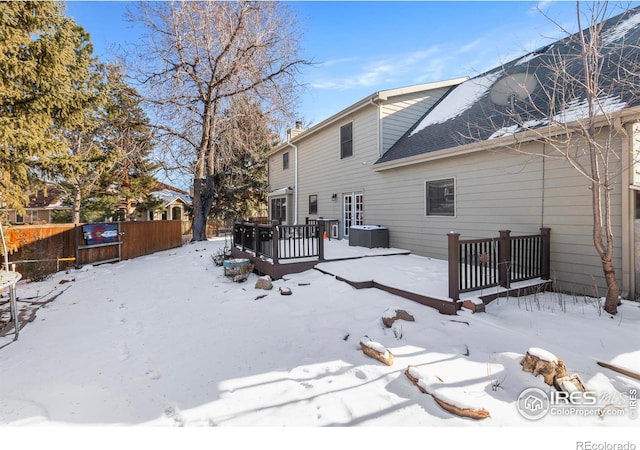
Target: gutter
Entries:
(374, 102)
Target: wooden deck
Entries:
(278, 250)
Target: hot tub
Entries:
(370, 236)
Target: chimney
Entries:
(293, 132)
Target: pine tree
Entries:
(127, 134)
(39, 51)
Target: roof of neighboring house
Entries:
(169, 194)
(51, 198)
(527, 93)
(368, 101)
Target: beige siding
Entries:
(494, 190)
(324, 173)
(278, 177)
(402, 112)
(498, 190)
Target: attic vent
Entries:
(508, 89)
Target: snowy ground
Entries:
(134, 349)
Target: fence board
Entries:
(144, 238)
(37, 249)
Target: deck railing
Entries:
(482, 263)
(280, 242)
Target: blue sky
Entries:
(362, 47)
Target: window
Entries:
(440, 197)
(285, 161)
(346, 141)
(279, 209)
(313, 204)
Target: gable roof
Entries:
(169, 194)
(515, 97)
(49, 198)
(372, 99)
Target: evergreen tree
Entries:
(241, 184)
(39, 53)
(127, 134)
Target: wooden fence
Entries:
(39, 250)
(482, 263)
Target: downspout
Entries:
(373, 102)
(295, 181)
(628, 242)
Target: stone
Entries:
(376, 351)
(550, 368)
(392, 315)
(264, 283)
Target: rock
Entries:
(264, 283)
(376, 351)
(431, 386)
(570, 383)
(391, 315)
(541, 362)
(285, 291)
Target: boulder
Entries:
(541, 362)
(264, 283)
(376, 351)
(434, 385)
(391, 315)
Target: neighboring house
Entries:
(454, 169)
(42, 207)
(325, 171)
(175, 205)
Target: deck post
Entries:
(545, 257)
(275, 240)
(454, 265)
(256, 239)
(243, 230)
(320, 238)
(504, 259)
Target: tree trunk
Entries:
(203, 190)
(75, 207)
(613, 290)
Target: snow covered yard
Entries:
(166, 340)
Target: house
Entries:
(48, 206)
(324, 171)
(173, 204)
(473, 163)
(44, 206)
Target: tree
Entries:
(241, 184)
(39, 51)
(128, 135)
(77, 168)
(198, 57)
(570, 97)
